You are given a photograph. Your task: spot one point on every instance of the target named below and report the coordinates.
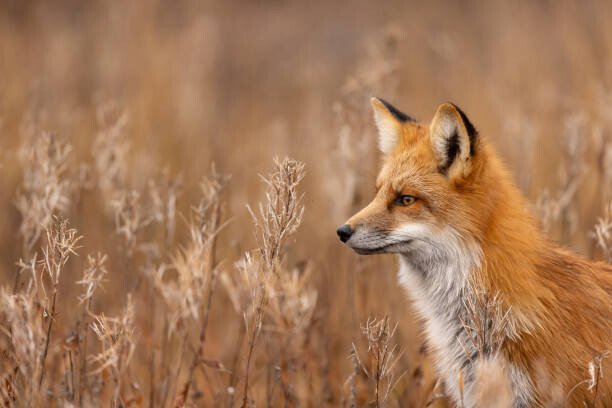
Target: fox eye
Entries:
(405, 200)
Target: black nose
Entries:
(344, 232)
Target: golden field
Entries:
(148, 126)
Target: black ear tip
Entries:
(471, 130)
(399, 115)
(468, 125)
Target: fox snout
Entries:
(365, 240)
(345, 232)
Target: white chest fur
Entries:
(439, 304)
(436, 278)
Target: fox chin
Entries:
(464, 235)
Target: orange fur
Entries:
(560, 302)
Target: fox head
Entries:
(432, 197)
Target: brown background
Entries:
(237, 83)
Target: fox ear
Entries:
(454, 139)
(388, 122)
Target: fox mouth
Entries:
(378, 250)
(370, 251)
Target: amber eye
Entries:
(405, 200)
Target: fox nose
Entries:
(344, 232)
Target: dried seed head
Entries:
(116, 335)
(93, 276)
(46, 190)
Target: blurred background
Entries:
(152, 93)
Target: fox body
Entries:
(464, 236)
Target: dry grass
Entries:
(383, 356)
(170, 286)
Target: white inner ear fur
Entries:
(443, 127)
(388, 130)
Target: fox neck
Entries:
(512, 246)
(500, 263)
(437, 288)
(441, 289)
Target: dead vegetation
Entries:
(137, 273)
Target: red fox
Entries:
(448, 207)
